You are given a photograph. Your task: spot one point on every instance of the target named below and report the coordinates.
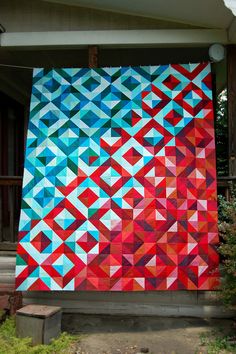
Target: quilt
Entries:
(119, 186)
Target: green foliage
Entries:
(10, 344)
(227, 248)
(216, 343)
(221, 129)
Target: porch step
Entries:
(10, 300)
(7, 272)
(7, 278)
(7, 253)
(7, 265)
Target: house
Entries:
(81, 33)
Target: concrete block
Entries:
(41, 323)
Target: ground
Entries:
(131, 335)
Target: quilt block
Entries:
(119, 187)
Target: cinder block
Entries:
(41, 323)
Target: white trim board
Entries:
(117, 38)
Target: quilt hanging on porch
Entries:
(119, 188)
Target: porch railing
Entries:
(225, 185)
(10, 203)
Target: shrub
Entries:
(227, 248)
(10, 344)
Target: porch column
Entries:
(231, 62)
(93, 56)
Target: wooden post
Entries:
(232, 108)
(93, 56)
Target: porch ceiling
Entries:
(202, 13)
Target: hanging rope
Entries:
(17, 66)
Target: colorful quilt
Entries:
(119, 187)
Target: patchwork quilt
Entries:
(119, 187)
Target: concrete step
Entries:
(130, 308)
(145, 297)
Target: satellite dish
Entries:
(216, 52)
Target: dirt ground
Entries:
(132, 335)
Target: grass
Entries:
(10, 344)
(216, 342)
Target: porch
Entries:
(146, 41)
